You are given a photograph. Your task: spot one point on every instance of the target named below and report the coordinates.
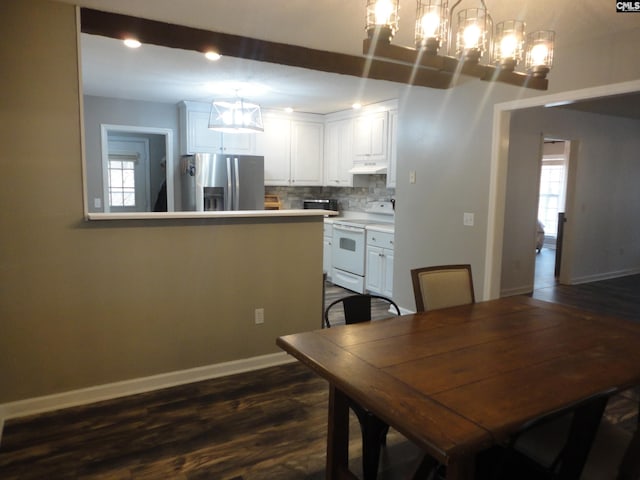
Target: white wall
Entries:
(446, 138)
(601, 230)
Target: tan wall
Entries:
(88, 303)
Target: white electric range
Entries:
(348, 252)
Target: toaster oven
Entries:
(321, 204)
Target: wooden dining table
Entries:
(459, 380)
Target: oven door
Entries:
(348, 250)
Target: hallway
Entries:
(545, 265)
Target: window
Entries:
(551, 200)
(122, 181)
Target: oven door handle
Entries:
(346, 228)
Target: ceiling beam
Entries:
(120, 26)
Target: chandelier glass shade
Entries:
(473, 33)
(431, 25)
(382, 18)
(235, 116)
(509, 44)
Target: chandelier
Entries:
(462, 41)
(235, 116)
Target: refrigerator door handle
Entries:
(229, 190)
(236, 190)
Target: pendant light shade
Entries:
(382, 18)
(509, 44)
(473, 34)
(431, 25)
(540, 52)
(235, 116)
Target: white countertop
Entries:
(200, 215)
(381, 227)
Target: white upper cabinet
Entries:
(275, 145)
(292, 146)
(307, 141)
(393, 156)
(195, 136)
(370, 137)
(338, 154)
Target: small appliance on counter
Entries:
(217, 182)
(321, 204)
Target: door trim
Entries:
(106, 129)
(499, 161)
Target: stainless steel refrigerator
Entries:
(218, 182)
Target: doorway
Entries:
(127, 175)
(137, 168)
(552, 197)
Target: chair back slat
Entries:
(357, 308)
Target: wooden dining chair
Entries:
(442, 286)
(615, 454)
(357, 309)
(554, 446)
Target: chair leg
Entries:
(426, 469)
(374, 433)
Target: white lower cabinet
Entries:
(379, 272)
(326, 250)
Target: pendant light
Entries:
(461, 41)
(235, 116)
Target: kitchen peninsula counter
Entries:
(224, 215)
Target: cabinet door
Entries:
(370, 137)
(275, 146)
(375, 269)
(338, 153)
(199, 138)
(307, 140)
(393, 130)
(326, 255)
(387, 284)
(241, 143)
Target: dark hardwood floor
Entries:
(269, 424)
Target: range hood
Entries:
(372, 169)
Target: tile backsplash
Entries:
(349, 198)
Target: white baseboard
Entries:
(109, 391)
(604, 276)
(522, 290)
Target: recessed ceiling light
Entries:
(213, 56)
(132, 43)
(356, 106)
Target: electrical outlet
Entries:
(412, 176)
(259, 316)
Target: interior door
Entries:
(126, 175)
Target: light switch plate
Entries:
(468, 219)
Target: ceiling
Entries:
(169, 75)
(161, 74)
